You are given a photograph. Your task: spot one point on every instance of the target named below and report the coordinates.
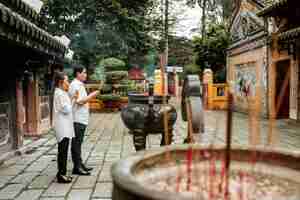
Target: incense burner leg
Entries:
(139, 141)
(170, 136)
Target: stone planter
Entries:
(131, 175)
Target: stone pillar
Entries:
(272, 89)
(33, 107)
(20, 114)
(207, 83)
(176, 85)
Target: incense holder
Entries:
(189, 172)
(142, 119)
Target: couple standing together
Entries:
(70, 119)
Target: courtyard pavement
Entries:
(31, 176)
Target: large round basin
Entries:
(170, 173)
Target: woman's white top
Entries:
(62, 115)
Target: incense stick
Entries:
(165, 114)
(228, 143)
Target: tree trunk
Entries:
(203, 18)
(166, 30)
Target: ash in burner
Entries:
(246, 182)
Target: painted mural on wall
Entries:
(246, 25)
(245, 80)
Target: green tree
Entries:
(214, 11)
(180, 51)
(99, 72)
(113, 64)
(125, 28)
(210, 51)
(76, 20)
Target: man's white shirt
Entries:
(80, 112)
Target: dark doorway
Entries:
(282, 70)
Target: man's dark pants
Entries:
(76, 144)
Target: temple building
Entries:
(283, 26)
(247, 56)
(27, 52)
(262, 62)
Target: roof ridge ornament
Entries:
(34, 4)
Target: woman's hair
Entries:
(58, 76)
(78, 69)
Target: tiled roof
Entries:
(17, 28)
(273, 5)
(23, 9)
(290, 34)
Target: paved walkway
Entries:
(32, 175)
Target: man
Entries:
(81, 117)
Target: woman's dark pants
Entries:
(62, 156)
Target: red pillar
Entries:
(20, 115)
(32, 108)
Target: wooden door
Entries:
(282, 70)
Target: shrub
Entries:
(109, 97)
(113, 64)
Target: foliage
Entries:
(125, 27)
(116, 76)
(220, 76)
(107, 88)
(191, 69)
(180, 51)
(214, 11)
(76, 20)
(150, 62)
(119, 28)
(211, 50)
(113, 64)
(98, 74)
(109, 97)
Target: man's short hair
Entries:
(78, 69)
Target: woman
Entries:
(63, 124)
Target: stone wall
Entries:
(248, 73)
(5, 122)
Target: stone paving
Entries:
(31, 176)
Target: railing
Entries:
(217, 96)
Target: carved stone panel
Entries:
(44, 114)
(45, 109)
(4, 124)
